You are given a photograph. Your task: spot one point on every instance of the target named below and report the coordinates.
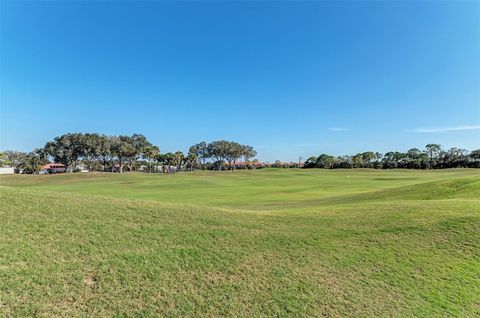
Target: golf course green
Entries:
(269, 242)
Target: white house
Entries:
(7, 170)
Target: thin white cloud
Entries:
(338, 129)
(445, 129)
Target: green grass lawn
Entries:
(299, 243)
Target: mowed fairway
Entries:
(273, 243)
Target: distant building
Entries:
(7, 170)
(81, 168)
(250, 164)
(281, 164)
(53, 168)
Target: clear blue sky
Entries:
(290, 78)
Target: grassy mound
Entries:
(405, 251)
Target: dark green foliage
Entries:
(432, 157)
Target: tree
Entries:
(160, 159)
(310, 162)
(149, 154)
(91, 149)
(168, 160)
(367, 158)
(357, 160)
(122, 149)
(474, 159)
(4, 160)
(414, 153)
(393, 159)
(218, 165)
(475, 154)
(325, 161)
(138, 145)
(248, 152)
(389, 160)
(201, 152)
(218, 151)
(433, 150)
(343, 162)
(32, 162)
(65, 149)
(233, 152)
(106, 150)
(192, 157)
(415, 159)
(455, 157)
(178, 159)
(190, 160)
(12, 158)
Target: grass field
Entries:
(273, 243)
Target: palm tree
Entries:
(168, 160)
(179, 157)
(191, 159)
(159, 160)
(150, 153)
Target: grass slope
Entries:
(260, 190)
(300, 243)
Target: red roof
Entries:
(53, 165)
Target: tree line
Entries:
(99, 152)
(432, 157)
